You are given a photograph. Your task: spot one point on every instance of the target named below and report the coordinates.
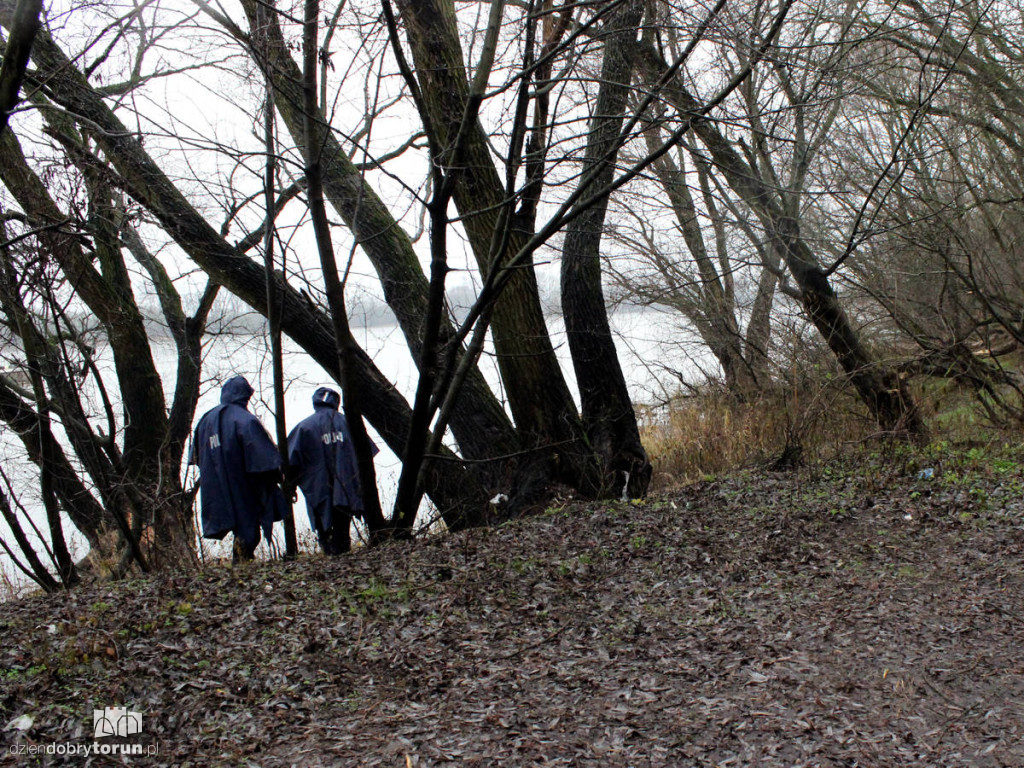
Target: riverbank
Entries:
(867, 614)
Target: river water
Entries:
(648, 346)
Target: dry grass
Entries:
(711, 433)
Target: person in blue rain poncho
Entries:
(323, 464)
(239, 472)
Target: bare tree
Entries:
(945, 263)
(706, 263)
(772, 180)
(519, 167)
(68, 291)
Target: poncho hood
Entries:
(326, 398)
(237, 392)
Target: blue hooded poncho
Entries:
(239, 468)
(321, 453)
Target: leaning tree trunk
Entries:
(879, 387)
(85, 512)
(613, 439)
(108, 293)
(538, 395)
(480, 424)
(456, 491)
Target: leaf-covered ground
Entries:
(818, 618)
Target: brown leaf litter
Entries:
(806, 619)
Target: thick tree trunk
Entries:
(301, 321)
(480, 424)
(16, 55)
(613, 439)
(538, 396)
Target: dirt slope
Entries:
(810, 618)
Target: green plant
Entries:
(374, 592)
(523, 565)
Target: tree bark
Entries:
(23, 28)
(538, 396)
(613, 439)
(455, 491)
(480, 424)
(880, 388)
